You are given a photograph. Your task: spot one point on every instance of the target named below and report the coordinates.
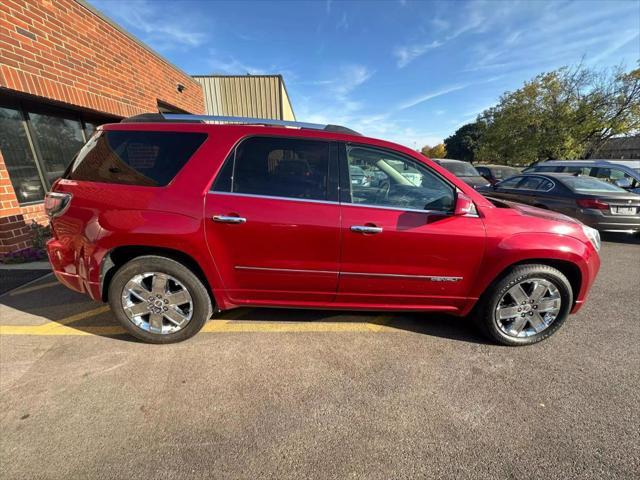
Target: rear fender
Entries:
(157, 231)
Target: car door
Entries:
(556, 196)
(272, 221)
(401, 245)
(507, 189)
(528, 190)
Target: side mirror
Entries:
(624, 182)
(464, 206)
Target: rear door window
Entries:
(576, 170)
(134, 157)
(277, 167)
(510, 182)
(530, 183)
(548, 168)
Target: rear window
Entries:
(590, 185)
(134, 157)
(461, 169)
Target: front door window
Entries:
(380, 178)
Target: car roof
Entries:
(448, 160)
(495, 165)
(594, 162)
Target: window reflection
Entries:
(58, 139)
(18, 157)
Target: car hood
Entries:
(537, 212)
(475, 182)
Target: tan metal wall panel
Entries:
(261, 96)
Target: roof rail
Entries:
(183, 117)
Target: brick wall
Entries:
(61, 50)
(15, 221)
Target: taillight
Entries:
(593, 203)
(56, 203)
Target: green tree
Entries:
(462, 144)
(439, 151)
(567, 113)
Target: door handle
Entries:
(228, 219)
(366, 229)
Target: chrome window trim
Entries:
(366, 205)
(330, 202)
(433, 278)
(553, 185)
(273, 197)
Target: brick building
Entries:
(64, 69)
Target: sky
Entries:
(407, 71)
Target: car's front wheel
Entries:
(529, 304)
(159, 300)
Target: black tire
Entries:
(486, 310)
(202, 307)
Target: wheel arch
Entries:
(566, 267)
(120, 255)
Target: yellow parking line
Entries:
(74, 318)
(215, 326)
(219, 325)
(274, 327)
(34, 288)
(379, 323)
(45, 330)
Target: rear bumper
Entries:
(70, 271)
(606, 222)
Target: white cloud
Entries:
(350, 77)
(408, 53)
(616, 45)
(233, 66)
(147, 17)
(343, 24)
(430, 95)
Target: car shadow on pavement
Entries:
(625, 238)
(46, 304)
(431, 324)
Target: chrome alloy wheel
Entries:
(157, 303)
(528, 308)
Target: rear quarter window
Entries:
(134, 157)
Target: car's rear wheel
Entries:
(529, 304)
(159, 300)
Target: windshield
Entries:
(590, 185)
(504, 172)
(461, 169)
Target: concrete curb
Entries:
(43, 265)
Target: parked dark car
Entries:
(358, 176)
(594, 202)
(496, 173)
(464, 170)
(622, 173)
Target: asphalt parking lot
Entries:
(305, 394)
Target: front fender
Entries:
(538, 247)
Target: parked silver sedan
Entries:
(598, 204)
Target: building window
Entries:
(57, 140)
(18, 157)
(38, 143)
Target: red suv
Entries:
(168, 218)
